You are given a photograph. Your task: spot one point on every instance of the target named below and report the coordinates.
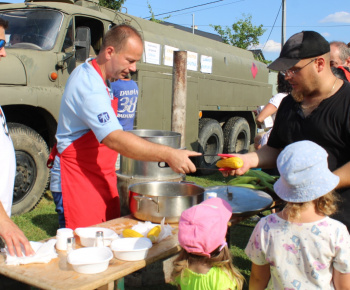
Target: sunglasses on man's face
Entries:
(2, 43)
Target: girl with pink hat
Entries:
(205, 261)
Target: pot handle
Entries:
(138, 198)
(186, 181)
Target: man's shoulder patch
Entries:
(103, 117)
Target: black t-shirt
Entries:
(328, 126)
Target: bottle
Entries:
(99, 239)
(61, 236)
(70, 244)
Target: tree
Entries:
(112, 4)
(152, 18)
(243, 33)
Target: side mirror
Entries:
(82, 43)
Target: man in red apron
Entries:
(89, 136)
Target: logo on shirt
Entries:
(103, 118)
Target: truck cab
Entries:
(44, 44)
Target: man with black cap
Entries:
(318, 109)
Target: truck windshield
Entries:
(32, 29)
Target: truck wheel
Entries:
(211, 141)
(237, 135)
(32, 175)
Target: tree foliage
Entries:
(112, 4)
(243, 33)
(152, 18)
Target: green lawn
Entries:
(42, 223)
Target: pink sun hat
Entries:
(203, 227)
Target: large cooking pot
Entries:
(143, 169)
(152, 201)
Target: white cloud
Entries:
(325, 34)
(342, 17)
(270, 46)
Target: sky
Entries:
(329, 18)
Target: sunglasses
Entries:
(2, 43)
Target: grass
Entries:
(42, 223)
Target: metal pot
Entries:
(137, 168)
(152, 201)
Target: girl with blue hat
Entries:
(301, 247)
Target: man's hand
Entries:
(265, 157)
(13, 236)
(248, 161)
(179, 161)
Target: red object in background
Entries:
(254, 70)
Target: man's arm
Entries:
(132, 146)
(259, 277)
(344, 175)
(13, 236)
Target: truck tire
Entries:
(237, 135)
(32, 174)
(211, 141)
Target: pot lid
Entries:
(244, 201)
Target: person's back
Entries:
(126, 91)
(205, 261)
(301, 247)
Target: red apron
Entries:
(88, 180)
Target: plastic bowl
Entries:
(131, 249)
(87, 235)
(90, 260)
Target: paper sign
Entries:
(152, 53)
(192, 60)
(206, 64)
(169, 55)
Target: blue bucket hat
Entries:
(305, 176)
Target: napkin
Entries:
(144, 228)
(44, 252)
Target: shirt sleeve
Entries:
(277, 99)
(342, 250)
(96, 111)
(254, 248)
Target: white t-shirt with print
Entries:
(301, 255)
(8, 166)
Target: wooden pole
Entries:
(178, 118)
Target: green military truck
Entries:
(48, 39)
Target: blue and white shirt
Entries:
(85, 106)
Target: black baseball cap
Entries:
(301, 45)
